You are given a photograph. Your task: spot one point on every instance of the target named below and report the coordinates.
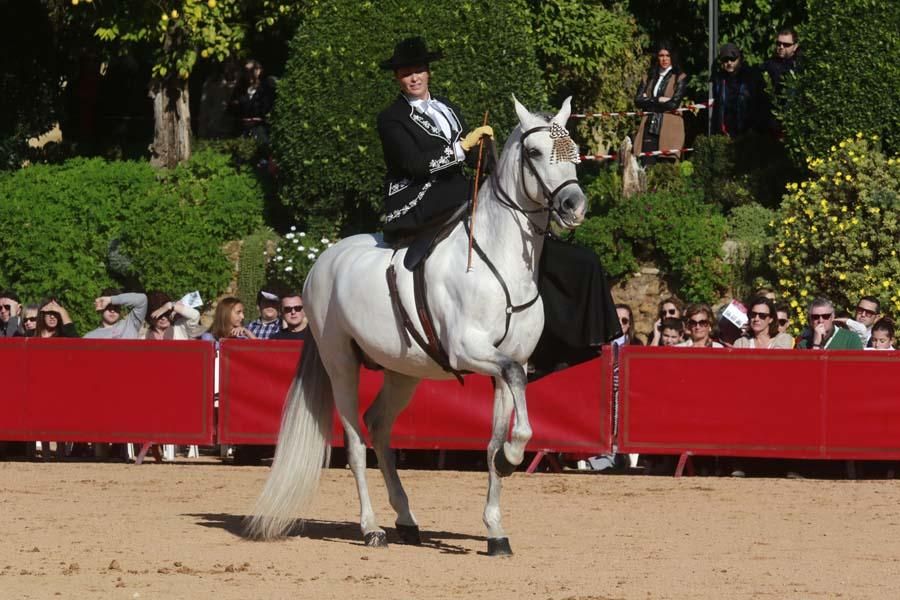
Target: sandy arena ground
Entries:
(95, 530)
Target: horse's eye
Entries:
(534, 153)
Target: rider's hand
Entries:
(475, 135)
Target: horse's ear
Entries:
(525, 117)
(563, 115)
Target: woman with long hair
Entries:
(228, 321)
(169, 321)
(669, 308)
(54, 321)
(660, 92)
(762, 330)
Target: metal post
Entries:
(713, 28)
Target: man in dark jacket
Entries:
(739, 95)
(786, 60)
(425, 142)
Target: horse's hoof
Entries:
(409, 534)
(499, 547)
(503, 467)
(376, 539)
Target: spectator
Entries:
(670, 308)
(269, 321)
(253, 100)
(738, 95)
(168, 321)
(698, 318)
(228, 322)
(10, 314)
(54, 321)
(294, 318)
(671, 332)
(626, 322)
(783, 316)
(660, 92)
(822, 334)
(868, 311)
(882, 335)
(766, 293)
(763, 327)
(112, 327)
(30, 320)
(786, 60)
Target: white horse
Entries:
(487, 321)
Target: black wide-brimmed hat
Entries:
(409, 53)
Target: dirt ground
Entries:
(105, 530)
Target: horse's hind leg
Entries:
(394, 396)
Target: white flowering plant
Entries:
(295, 254)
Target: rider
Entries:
(424, 146)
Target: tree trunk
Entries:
(171, 123)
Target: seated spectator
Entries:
(763, 327)
(783, 316)
(228, 322)
(766, 293)
(54, 321)
(698, 318)
(822, 334)
(626, 322)
(30, 320)
(672, 332)
(168, 321)
(882, 335)
(109, 306)
(10, 314)
(868, 310)
(670, 308)
(269, 321)
(294, 318)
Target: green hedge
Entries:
(75, 228)
(850, 78)
(323, 127)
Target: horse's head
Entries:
(548, 159)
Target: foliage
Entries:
(88, 224)
(837, 231)
(593, 53)
(850, 79)
(749, 228)
(323, 127)
(672, 226)
(252, 269)
(295, 254)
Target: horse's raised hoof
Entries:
(376, 539)
(409, 534)
(499, 547)
(503, 467)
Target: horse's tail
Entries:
(302, 441)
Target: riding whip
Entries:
(475, 195)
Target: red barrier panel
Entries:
(768, 403)
(568, 411)
(107, 391)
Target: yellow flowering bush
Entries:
(838, 232)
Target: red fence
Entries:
(568, 411)
(775, 403)
(107, 391)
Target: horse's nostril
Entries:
(568, 204)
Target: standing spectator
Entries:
(626, 322)
(786, 60)
(10, 314)
(672, 332)
(698, 318)
(763, 327)
(112, 327)
(294, 318)
(868, 311)
(168, 321)
(660, 92)
(254, 98)
(670, 308)
(822, 333)
(269, 321)
(738, 95)
(228, 322)
(54, 321)
(882, 335)
(30, 317)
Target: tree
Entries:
(180, 33)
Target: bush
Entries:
(749, 226)
(88, 224)
(673, 227)
(837, 231)
(252, 269)
(295, 254)
(850, 79)
(323, 127)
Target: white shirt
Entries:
(438, 112)
(659, 80)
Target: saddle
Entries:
(418, 247)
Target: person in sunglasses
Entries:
(786, 60)
(54, 321)
(698, 319)
(738, 94)
(867, 313)
(762, 331)
(294, 318)
(822, 333)
(626, 322)
(10, 314)
(168, 320)
(30, 316)
(112, 326)
(670, 308)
